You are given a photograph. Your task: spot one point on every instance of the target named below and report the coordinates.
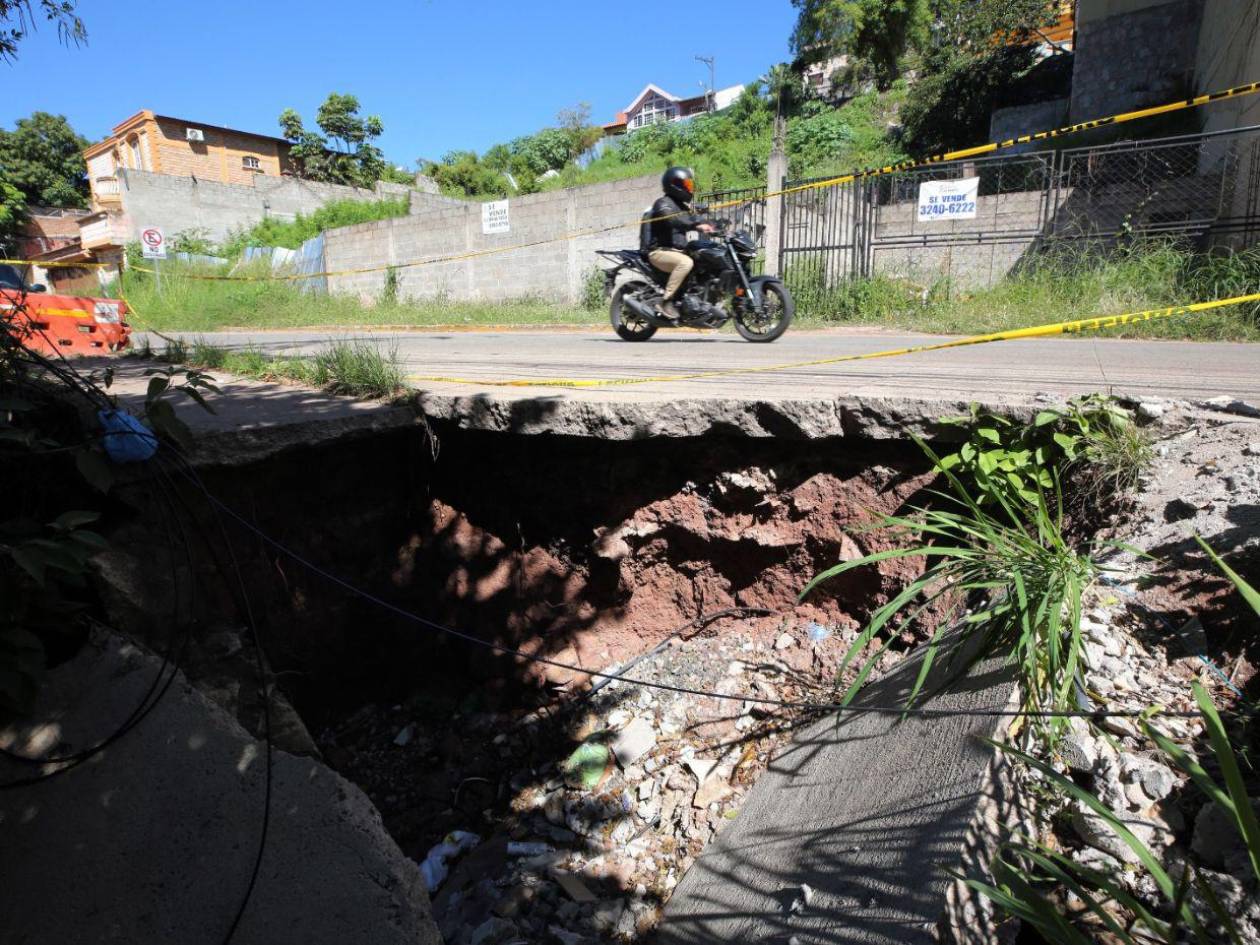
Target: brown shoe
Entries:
(665, 308)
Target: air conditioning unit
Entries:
(194, 134)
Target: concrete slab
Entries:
(154, 839)
(865, 810)
(883, 397)
(253, 419)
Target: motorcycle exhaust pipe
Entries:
(644, 311)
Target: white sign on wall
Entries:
(494, 217)
(948, 199)
(152, 243)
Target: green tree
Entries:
(12, 213)
(43, 158)
(18, 19)
(875, 34)
(971, 26)
(345, 152)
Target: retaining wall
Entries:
(554, 270)
(184, 203)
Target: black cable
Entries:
(149, 701)
(264, 683)
(683, 690)
(74, 380)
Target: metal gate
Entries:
(1204, 188)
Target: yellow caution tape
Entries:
(1037, 331)
(57, 265)
(1235, 92)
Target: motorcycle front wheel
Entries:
(629, 324)
(769, 314)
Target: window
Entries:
(137, 161)
(653, 111)
(250, 163)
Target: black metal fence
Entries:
(748, 214)
(1201, 189)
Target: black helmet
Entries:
(680, 184)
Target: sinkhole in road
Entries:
(584, 551)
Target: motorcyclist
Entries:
(665, 231)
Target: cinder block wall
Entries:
(184, 203)
(1132, 53)
(608, 215)
(1011, 223)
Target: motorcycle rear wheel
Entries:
(629, 325)
(774, 318)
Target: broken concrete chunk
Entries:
(700, 767)
(634, 741)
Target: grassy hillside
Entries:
(728, 149)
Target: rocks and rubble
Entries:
(591, 817)
(1136, 658)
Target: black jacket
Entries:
(671, 233)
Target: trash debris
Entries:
(818, 633)
(404, 737)
(435, 866)
(576, 889)
(587, 766)
(802, 900)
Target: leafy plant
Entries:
(291, 234)
(1093, 442)
(43, 571)
(195, 240)
(594, 289)
(1005, 577)
(17, 20)
(158, 408)
(1024, 868)
(43, 158)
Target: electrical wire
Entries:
(505, 650)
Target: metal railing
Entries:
(1202, 189)
(748, 215)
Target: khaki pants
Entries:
(678, 264)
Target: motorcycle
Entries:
(718, 290)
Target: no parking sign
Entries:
(153, 243)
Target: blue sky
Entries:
(442, 74)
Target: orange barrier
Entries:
(66, 324)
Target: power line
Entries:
(505, 650)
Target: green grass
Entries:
(1055, 288)
(293, 233)
(1145, 276)
(186, 304)
(355, 368)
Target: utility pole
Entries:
(709, 95)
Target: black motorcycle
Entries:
(718, 289)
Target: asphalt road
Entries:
(1012, 370)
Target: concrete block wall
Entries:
(967, 264)
(184, 203)
(607, 214)
(1132, 53)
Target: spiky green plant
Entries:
(1008, 581)
(1024, 869)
